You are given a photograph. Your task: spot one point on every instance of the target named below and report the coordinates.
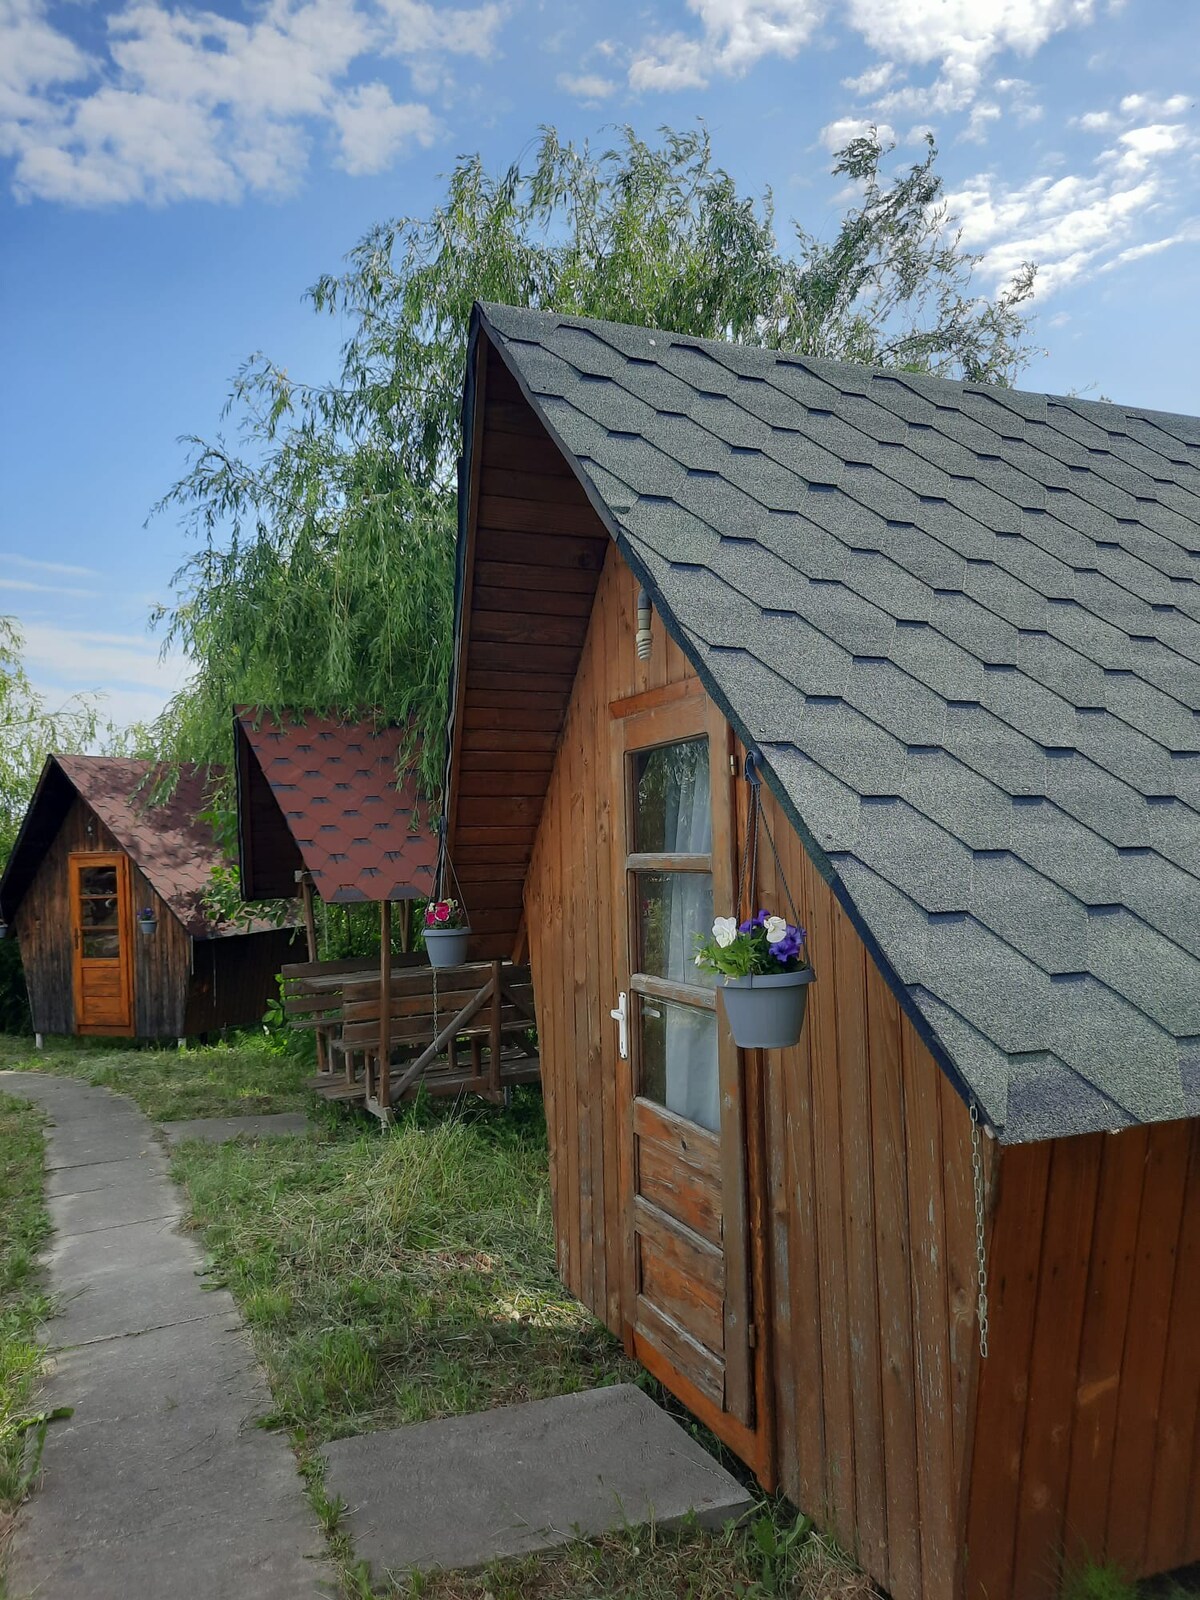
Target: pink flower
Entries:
(442, 911)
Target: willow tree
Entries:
(323, 573)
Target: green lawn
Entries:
(244, 1076)
(24, 1226)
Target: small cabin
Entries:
(959, 628)
(97, 851)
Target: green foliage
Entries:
(30, 730)
(1098, 1580)
(323, 577)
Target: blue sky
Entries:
(172, 178)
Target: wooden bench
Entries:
(314, 991)
(456, 1030)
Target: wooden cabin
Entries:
(962, 627)
(95, 852)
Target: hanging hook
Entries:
(753, 765)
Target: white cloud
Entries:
(735, 34)
(191, 104)
(836, 135)
(872, 80)
(587, 86)
(1084, 223)
(58, 568)
(27, 586)
(374, 130)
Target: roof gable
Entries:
(322, 793)
(963, 625)
(167, 840)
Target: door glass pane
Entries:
(671, 810)
(673, 907)
(101, 946)
(679, 1059)
(97, 913)
(98, 880)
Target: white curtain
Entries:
(690, 1033)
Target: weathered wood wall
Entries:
(1087, 1440)
(234, 979)
(866, 1218)
(160, 964)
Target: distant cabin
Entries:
(94, 853)
(961, 626)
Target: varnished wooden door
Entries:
(684, 1158)
(101, 937)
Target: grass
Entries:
(24, 1225)
(395, 1277)
(777, 1555)
(241, 1077)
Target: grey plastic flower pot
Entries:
(147, 925)
(766, 1010)
(447, 947)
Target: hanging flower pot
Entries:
(446, 933)
(763, 973)
(147, 922)
(766, 1009)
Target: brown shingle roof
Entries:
(360, 833)
(168, 842)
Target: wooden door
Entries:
(101, 935)
(684, 1158)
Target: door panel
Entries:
(101, 926)
(684, 1160)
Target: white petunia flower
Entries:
(776, 930)
(725, 931)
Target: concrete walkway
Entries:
(217, 1130)
(160, 1486)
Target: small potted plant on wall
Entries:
(763, 971)
(446, 933)
(146, 920)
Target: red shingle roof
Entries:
(362, 834)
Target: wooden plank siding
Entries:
(180, 986)
(1089, 1403)
(854, 1107)
(537, 550)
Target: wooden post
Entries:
(384, 1088)
(494, 1064)
(310, 929)
(406, 927)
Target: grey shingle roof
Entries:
(963, 626)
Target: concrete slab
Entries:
(92, 1176)
(461, 1492)
(117, 1281)
(216, 1130)
(121, 1140)
(153, 1199)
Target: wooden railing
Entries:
(465, 1029)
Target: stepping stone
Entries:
(464, 1491)
(216, 1130)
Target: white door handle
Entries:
(620, 1015)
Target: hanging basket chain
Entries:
(981, 1271)
(755, 817)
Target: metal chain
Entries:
(749, 855)
(981, 1274)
